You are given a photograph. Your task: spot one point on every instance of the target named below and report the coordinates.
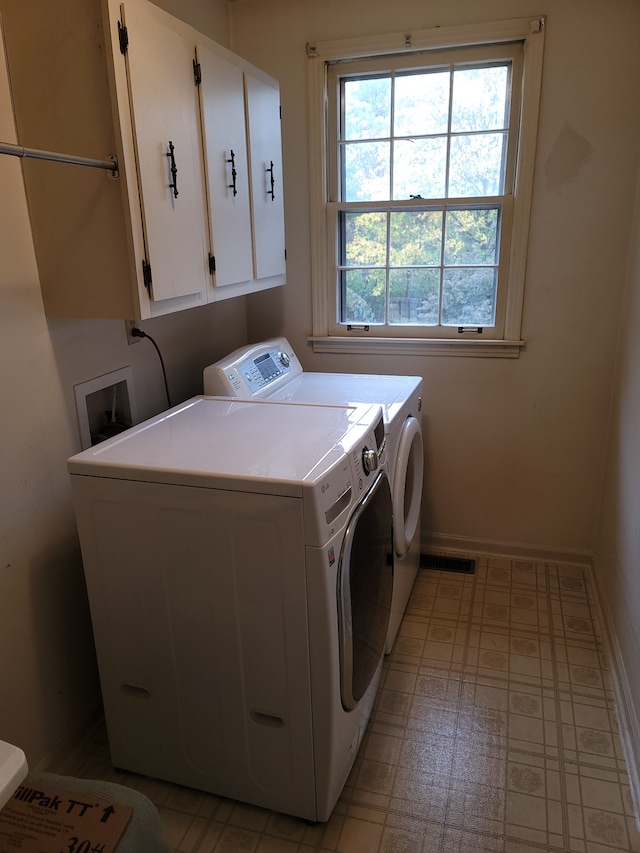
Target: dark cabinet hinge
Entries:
(212, 264)
(123, 37)
(197, 72)
(146, 275)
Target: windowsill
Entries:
(417, 346)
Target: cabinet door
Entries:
(227, 168)
(165, 124)
(263, 111)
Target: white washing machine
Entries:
(271, 370)
(238, 559)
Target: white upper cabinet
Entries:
(263, 111)
(240, 113)
(182, 224)
(225, 150)
(164, 111)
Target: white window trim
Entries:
(528, 30)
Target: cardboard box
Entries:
(47, 819)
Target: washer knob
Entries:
(370, 460)
(284, 359)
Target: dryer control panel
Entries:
(252, 371)
(343, 484)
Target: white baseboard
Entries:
(627, 714)
(438, 542)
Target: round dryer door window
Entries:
(407, 485)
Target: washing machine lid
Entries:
(261, 446)
(347, 389)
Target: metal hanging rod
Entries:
(110, 165)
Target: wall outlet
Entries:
(129, 325)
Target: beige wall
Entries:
(211, 18)
(617, 560)
(514, 449)
(48, 677)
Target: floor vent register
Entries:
(447, 564)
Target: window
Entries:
(423, 164)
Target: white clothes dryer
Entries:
(238, 559)
(271, 370)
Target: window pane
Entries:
(476, 165)
(421, 104)
(363, 296)
(468, 297)
(415, 187)
(416, 238)
(365, 239)
(419, 168)
(479, 99)
(367, 108)
(366, 171)
(414, 296)
(471, 237)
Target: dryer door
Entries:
(407, 485)
(365, 586)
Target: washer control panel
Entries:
(252, 371)
(340, 486)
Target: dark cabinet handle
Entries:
(173, 169)
(273, 182)
(234, 174)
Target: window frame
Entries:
(327, 334)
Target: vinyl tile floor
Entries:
(494, 729)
